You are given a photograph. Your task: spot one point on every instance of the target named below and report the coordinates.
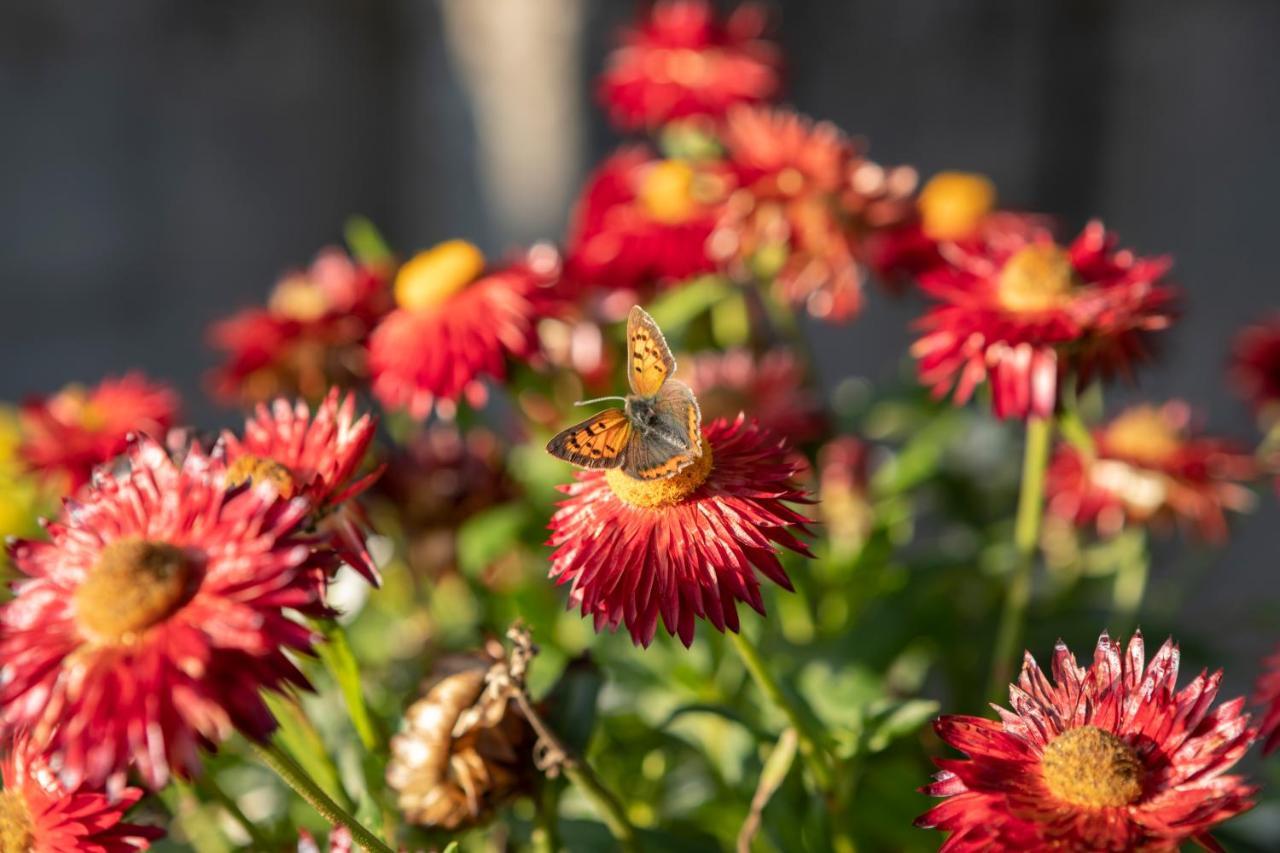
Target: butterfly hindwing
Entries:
(598, 442)
(649, 359)
(671, 441)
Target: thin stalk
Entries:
(294, 776)
(577, 771)
(209, 785)
(1026, 539)
(811, 748)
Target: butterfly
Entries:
(657, 433)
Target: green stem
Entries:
(285, 767)
(1026, 539)
(1129, 588)
(811, 748)
(606, 804)
(579, 772)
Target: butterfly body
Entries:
(657, 433)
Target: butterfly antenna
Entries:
(599, 400)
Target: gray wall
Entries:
(161, 162)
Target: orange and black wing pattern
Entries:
(597, 442)
(649, 359)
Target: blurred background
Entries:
(162, 162)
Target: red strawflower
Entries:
(1104, 758)
(1255, 365)
(683, 548)
(309, 337)
(1266, 693)
(1150, 467)
(643, 222)
(805, 205)
(64, 437)
(312, 457)
(772, 385)
(38, 814)
(1021, 312)
(681, 62)
(456, 325)
(952, 207)
(150, 621)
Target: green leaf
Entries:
(301, 740)
(679, 306)
(366, 242)
(572, 703)
(772, 775)
(898, 721)
(488, 535)
(336, 654)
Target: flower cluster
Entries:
(185, 597)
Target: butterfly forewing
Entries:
(649, 359)
(598, 442)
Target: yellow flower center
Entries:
(259, 469)
(429, 278)
(15, 823)
(666, 191)
(1037, 278)
(135, 584)
(1144, 435)
(1091, 768)
(72, 405)
(668, 491)
(952, 204)
(298, 299)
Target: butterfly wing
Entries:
(649, 359)
(597, 442)
(672, 441)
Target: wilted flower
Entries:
(644, 222)
(312, 457)
(1022, 311)
(465, 748)
(152, 618)
(456, 325)
(64, 437)
(1150, 466)
(1255, 366)
(682, 62)
(806, 201)
(309, 337)
(438, 480)
(684, 548)
(39, 814)
(1104, 758)
(772, 386)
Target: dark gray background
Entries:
(162, 162)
